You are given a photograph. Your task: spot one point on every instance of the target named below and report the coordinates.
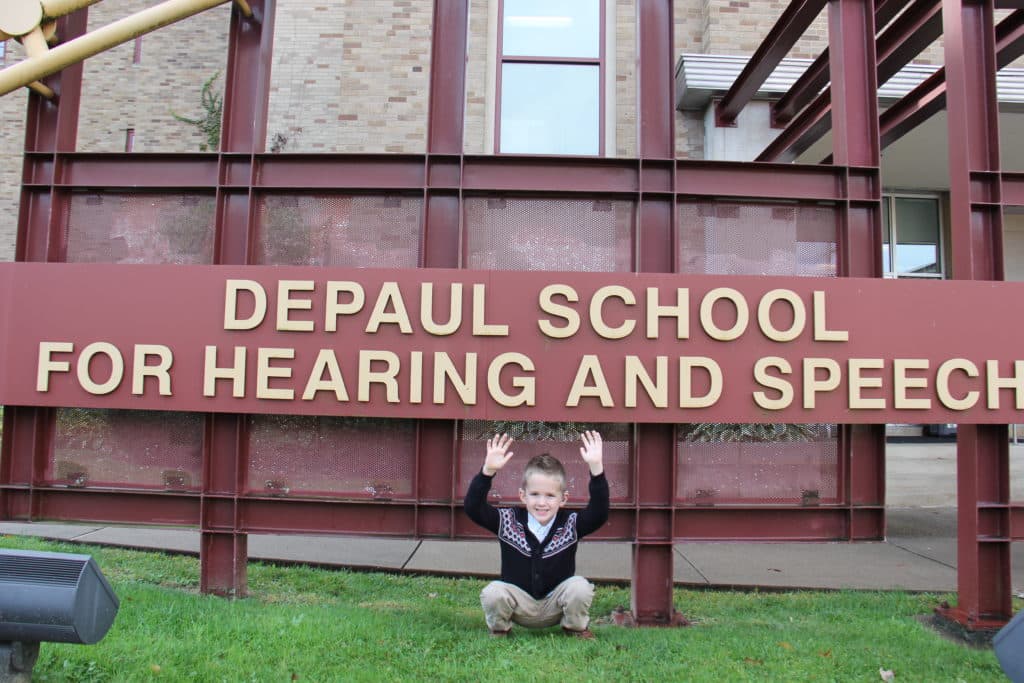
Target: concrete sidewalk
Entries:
(920, 556)
(919, 553)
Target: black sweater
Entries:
(526, 562)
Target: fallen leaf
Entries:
(786, 646)
(886, 674)
(431, 595)
(826, 653)
(751, 660)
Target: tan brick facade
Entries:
(353, 76)
(350, 76)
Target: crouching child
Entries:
(539, 586)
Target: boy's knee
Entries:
(495, 594)
(578, 590)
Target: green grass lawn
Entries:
(318, 625)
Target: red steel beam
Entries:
(854, 83)
(803, 131)
(447, 77)
(651, 595)
(792, 24)
(816, 76)
(223, 553)
(913, 31)
(929, 97)
(983, 541)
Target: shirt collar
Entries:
(537, 529)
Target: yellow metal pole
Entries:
(58, 8)
(94, 42)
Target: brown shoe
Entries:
(585, 634)
(499, 634)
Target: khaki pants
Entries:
(568, 604)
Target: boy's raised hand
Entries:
(591, 451)
(497, 454)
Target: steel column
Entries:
(983, 513)
(223, 550)
(651, 600)
(51, 128)
(853, 69)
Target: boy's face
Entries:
(543, 495)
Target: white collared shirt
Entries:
(537, 529)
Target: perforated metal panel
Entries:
(746, 470)
(135, 448)
(558, 439)
(140, 228)
(354, 231)
(512, 233)
(361, 457)
(728, 238)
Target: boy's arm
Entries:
(476, 505)
(592, 517)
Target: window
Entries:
(912, 237)
(549, 77)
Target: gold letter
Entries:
(325, 360)
(332, 309)
(389, 292)
(942, 384)
(784, 388)
(764, 315)
(367, 376)
(707, 321)
(46, 366)
(857, 383)
(597, 320)
(264, 371)
(116, 368)
(526, 396)
(211, 373)
(813, 385)
(657, 391)
(590, 367)
(686, 397)
(427, 310)
(464, 387)
(285, 304)
(160, 371)
(231, 321)
(681, 312)
(995, 383)
(481, 328)
(900, 384)
(571, 317)
(820, 333)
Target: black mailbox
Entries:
(53, 597)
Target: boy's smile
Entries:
(543, 496)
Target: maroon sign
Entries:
(508, 345)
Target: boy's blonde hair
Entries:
(544, 463)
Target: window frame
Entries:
(600, 62)
(889, 209)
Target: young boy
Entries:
(538, 586)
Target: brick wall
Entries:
(12, 142)
(175, 60)
(350, 76)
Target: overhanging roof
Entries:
(702, 77)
